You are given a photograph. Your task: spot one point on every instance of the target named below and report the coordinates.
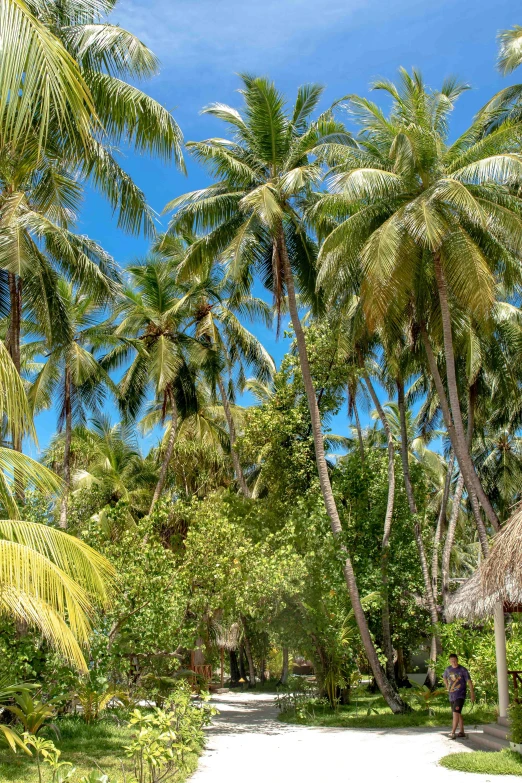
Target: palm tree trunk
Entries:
(452, 525)
(233, 439)
(432, 607)
(450, 537)
(248, 653)
(385, 545)
(66, 450)
(389, 693)
(455, 442)
(13, 336)
(168, 451)
(468, 467)
(359, 431)
(441, 520)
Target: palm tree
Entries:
(46, 80)
(162, 354)
(216, 307)
(52, 581)
(417, 214)
(254, 221)
(71, 369)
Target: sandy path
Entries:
(247, 744)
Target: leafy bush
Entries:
(515, 722)
(165, 738)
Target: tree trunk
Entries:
(359, 430)
(232, 435)
(455, 441)
(67, 449)
(469, 468)
(441, 520)
(168, 451)
(234, 667)
(248, 653)
(432, 607)
(450, 537)
(284, 671)
(385, 545)
(13, 335)
(389, 693)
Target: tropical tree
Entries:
(72, 370)
(417, 214)
(216, 307)
(161, 353)
(253, 220)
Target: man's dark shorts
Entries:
(457, 705)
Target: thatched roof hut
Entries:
(497, 580)
(474, 601)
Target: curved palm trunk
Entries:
(455, 442)
(13, 336)
(168, 451)
(390, 695)
(450, 537)
(359, 430)
(385, 545)
(467, 467)
(67, 449)
(432, 607)
(441, 520)
(233, 438)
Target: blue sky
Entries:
(343, 45)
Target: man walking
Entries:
(456, 679)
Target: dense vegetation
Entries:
(249, 533)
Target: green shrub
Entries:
(515, 721)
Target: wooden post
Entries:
(501, 656)
(222, 656)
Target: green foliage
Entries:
(32, 713)
(164, 739)
(515, 723)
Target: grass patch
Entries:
(85, 746)
(370, 711)
(505, 762)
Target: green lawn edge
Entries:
(504, 762)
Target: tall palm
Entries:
(254, 221)
(160, 351)
(216, 307)
(72, 371)
(418, 214)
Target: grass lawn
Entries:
(85, 746)
(506, 762)
(371, 712)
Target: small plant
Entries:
(94, 696)
(33, 714)
(298, 697)
(165, 737)
(422, 697)
(515, 723)
(46, 752)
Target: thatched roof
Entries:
(504, 562)
(498, 578)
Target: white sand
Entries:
(247, 744)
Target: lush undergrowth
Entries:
(96, 746)
(370, 711)
(507, 762)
